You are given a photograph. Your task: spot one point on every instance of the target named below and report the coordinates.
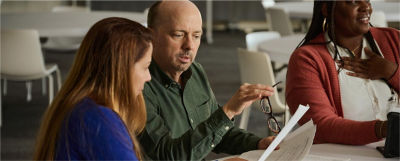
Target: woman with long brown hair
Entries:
(100, 108)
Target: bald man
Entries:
(184, 120)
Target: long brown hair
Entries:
(100, 71)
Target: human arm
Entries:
(237, 141)
(388, 41)
(217, 133)
(374, 67)
(381, 129)
(159, 143)
(312, 79)
(244, 96)
(237, 138)
(189, 125)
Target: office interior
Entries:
(225, 26)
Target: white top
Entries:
(362, 99)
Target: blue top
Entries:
(94, 132)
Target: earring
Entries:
(323, 25)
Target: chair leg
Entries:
(245, 118)
(5, 87)
(29, 90)
(287, 116)
(51, 88)
(278, 67)
(58, 79)
(43, 86)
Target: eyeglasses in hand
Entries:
(266, 108)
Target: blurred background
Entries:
(270, 28)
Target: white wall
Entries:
(28, 6)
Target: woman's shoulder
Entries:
(90, 113)
(90, 122)
(379, 32)
(384, 29)
(313, 53)
(312, 49)
(94, 132)
(313, 45)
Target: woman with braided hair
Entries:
(347, 71)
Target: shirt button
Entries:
(376, 100)
(226, 127)
(212, 145)
(191, 120)
(166, 86)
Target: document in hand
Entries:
(294, 147)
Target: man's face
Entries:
(177, 39)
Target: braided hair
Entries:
(317, 27)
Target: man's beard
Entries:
(184, 67)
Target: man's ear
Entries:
(324, 10)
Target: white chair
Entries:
(65, 43)
(255, 38)
(378, 19)
(268, 3)
(279, 21)
(70, 9)
(22, 60)
(255, 67)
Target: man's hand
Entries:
(375, 67)
(243, 97)
(264, 143)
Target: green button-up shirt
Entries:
(187, 124)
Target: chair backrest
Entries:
(70, 9)
(268, 3)
(279, 21)
(21, 53)
(378, 19)
(255, 67)
(255, 38)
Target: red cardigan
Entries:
(312, 79)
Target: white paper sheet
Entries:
(293, 148)
(301, 110)
(296, 146)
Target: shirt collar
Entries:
(164, 79)
(343, 51)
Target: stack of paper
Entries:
(295, 147)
